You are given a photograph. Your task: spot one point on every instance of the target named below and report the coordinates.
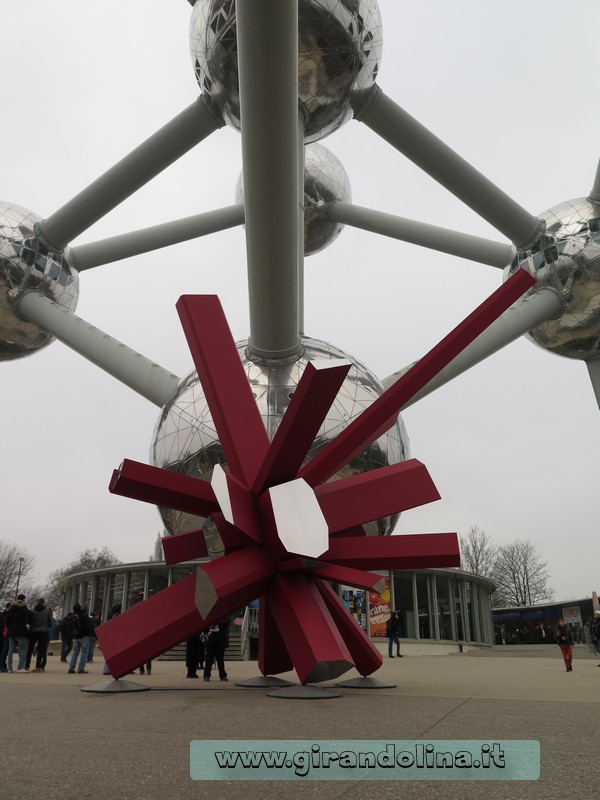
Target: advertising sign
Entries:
(379, 610)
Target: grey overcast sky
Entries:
(512, 445)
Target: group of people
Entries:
(25, 630)
(206, 648)
(78, 638)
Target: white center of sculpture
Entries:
(300, 523)
(221, 490)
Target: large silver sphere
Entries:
(340, 43)
(325, 181)
(185, 440)
(25, 264)
(567, 258)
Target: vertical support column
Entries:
(301, 164)
(415, 597)
(594, 196)
(267, 34)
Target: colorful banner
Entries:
(354, 600)
(379, 611)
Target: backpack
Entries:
(70, 625)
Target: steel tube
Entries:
(134, 370)
(267, 34)
(134, 243)
(474, 248)
(164, 147)
(417, 143)
(541, 305)
(594, 195)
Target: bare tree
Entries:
(158, 554)
(521, 576)
(92, 558)
(15, 564)
(478, 552)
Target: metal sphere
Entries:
(325, 181)
(26, 265)
(567, 258)
(340, 43)
(185, 440)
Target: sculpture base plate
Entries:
(263, 682)
(304, 692)
(366, 683)
(113, 686)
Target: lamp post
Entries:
(21, 559)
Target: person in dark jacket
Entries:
(595, 633)
(564, 637)
(81, 641)
(194, 654)
(65, 628)
(392, 631)
(2, 638)
(218, 639)
(40, 619)
(94, 623)
(17, 621)
(4, 653)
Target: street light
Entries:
(21, 559)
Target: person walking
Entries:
(66, 627)
(81, 641)
(94, 623)
(41, 618)
(194, 654)
(4, 654)
(17, 621)
(564, 637)
(218, 639)
(595, 633)
(392, 631)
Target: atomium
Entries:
(354, 470)
(25, 265)
(567, 259)
(185, 440)
(340, 43)
(325, 181)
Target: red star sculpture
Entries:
(286, 533)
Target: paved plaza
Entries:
(60, 742)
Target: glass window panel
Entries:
(444, 607)
(424, 605)
(136, 588)
(181, 572)
(484, 615)
(86, 593)
(470, 610)
(100, 592)
(460, 630)
(76, 594)
(403, 603)
(115, 594)
(158, 580)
